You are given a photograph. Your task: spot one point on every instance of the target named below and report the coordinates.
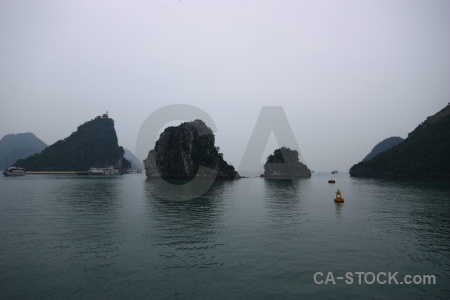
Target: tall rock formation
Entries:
(181, 150)
(94, 144)
(284, 163)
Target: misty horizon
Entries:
(271, 142)
(348, 74)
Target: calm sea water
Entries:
(64, 236)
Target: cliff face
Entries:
(284, 163)
(94, 144)
(424, 153)
(181, 150)
(383, 146)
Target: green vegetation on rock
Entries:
(424, 153)
(94, 144)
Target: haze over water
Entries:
(66, 236)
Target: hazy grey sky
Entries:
(347, 73)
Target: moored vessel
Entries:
(14, 171)
(110, 171)
(100, 171)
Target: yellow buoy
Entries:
(338, 198)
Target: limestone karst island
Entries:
(284, 163)
(94, 144)
(189, 150)
(181, 150)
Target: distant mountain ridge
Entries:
(424, 153)
(17, 146)
(135, 162)
(383, 146)
(94, 144)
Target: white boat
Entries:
(95, 171)
(104, 171)
(110, 171)
(14, 171)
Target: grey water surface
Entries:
(68, 236)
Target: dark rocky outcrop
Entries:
(383, 146)
(284, 163)
(17, 146)
(94, 144)
(424, 153)
(181, 150)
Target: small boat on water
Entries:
(111, 171)
(331, 181)
(14, 171)
(96, 171)
(338, 198)
(334, 172)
